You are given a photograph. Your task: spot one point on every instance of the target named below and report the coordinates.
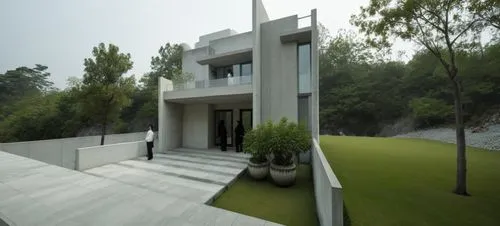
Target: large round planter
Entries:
(283, 175)
(258, 171)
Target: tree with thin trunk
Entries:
(104, 89)
(443, 27)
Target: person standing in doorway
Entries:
(222, 135)
(240, 133)
(149, 141)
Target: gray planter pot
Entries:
(258, 171)
(283, 175)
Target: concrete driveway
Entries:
(172, 189)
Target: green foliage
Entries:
(430, 110)
(168, 63)
(104, 89)
(15, 84)
(33, 118)
(257, 142)
(288, 139)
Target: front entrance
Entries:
(227, 116)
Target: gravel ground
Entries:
(488, 140)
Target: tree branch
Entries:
(465, 30)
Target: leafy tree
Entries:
(14, 84)
(487, 10)
(167, 64)
(104, 89)
(430, 111)
(443, 28)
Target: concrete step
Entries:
(198, 175)
(236, 165)
(161, 182)
(229, 171)
(208, 156)
(213, 152)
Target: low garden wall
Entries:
(62, 152)
(90, 157)
(327, 190)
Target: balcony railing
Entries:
(203, 84)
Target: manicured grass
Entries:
(388, 181)
(289, 206)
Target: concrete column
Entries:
(315, 75)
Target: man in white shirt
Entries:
(149, 141)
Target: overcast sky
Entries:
(61, 33)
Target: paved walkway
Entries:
(170, 190)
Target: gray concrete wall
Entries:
(189, 64)
(195, 126)
(173, 126)
(232, 43)
(205, 39)
(62, 152)
(314, 76)
(90, 157)
(207, 92)
(278, 71)
(327, 190)
(259, 16)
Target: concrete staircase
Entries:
(195, 175)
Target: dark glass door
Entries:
(246, 118)
(227, 116)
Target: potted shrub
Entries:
(256, 143)
(288, 140)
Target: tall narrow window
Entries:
(304, 67)
(246, 73)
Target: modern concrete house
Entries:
(263, 74)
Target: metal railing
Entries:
(211, 83)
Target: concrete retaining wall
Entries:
(62, 152)
(327, 190)
(90, 157)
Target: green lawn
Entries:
(289, 206)
(389, 181)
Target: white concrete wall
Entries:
(232, 43)
(207, 92)
(327, 190)
(62, 152)
(173, 126)
(205, 39)
(315, 76)
(195, 126)
(279, 76)
(169, 120)
(90, 157)
(259, 16)
(189, 64)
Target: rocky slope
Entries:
(488, 139)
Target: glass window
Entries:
(304, 111)
(246, 69)
(236, 70)
(304, 68)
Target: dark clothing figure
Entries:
(222, 136)
(150, 145)
(240, 133)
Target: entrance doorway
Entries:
(227, 116)
(246, 118)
